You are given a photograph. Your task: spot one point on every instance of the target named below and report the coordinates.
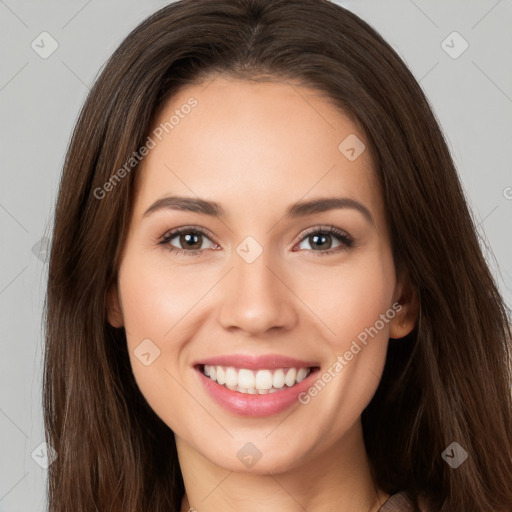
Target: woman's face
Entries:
(259, 289)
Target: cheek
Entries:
(350, 298)
(157, 305)
(156, 298)
(356, 307)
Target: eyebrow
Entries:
(299, 209)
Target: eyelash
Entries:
(346, 240)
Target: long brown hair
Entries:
(448, 381)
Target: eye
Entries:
(321, 238)
(191, 241)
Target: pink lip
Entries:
(255, 405)
(267, 361)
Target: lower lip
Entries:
(255, 405)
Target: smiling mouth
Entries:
(256, 382)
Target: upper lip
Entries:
(269, 361)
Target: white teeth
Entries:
(278, 379)
(255, 382)
(290, 377)
(263, 379)
(246, 379)
(231, 377)
(221, 376)
(301, 374)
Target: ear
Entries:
(114, 312)
(406, 317)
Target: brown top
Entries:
(398, 502)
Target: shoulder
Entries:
(402, 502)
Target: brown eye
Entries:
(189, 241)
(321, 241)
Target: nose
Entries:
(257, 297)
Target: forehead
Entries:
(253, 146)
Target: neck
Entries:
(339, 476)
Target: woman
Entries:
(265, 287)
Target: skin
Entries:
(257, 148)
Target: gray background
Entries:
(39, 101)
